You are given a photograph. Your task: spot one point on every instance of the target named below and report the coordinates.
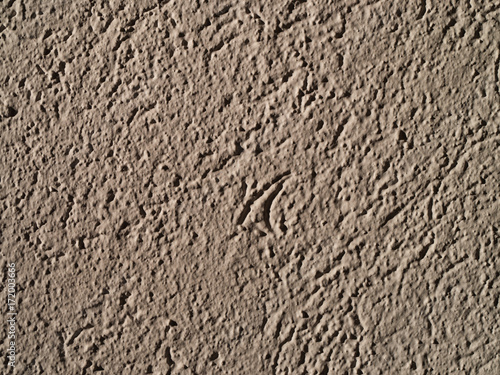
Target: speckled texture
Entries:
(260, 187)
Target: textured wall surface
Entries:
(259, 187)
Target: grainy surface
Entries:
(261, 187)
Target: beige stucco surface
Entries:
(251, 187)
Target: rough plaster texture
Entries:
(259, 187)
